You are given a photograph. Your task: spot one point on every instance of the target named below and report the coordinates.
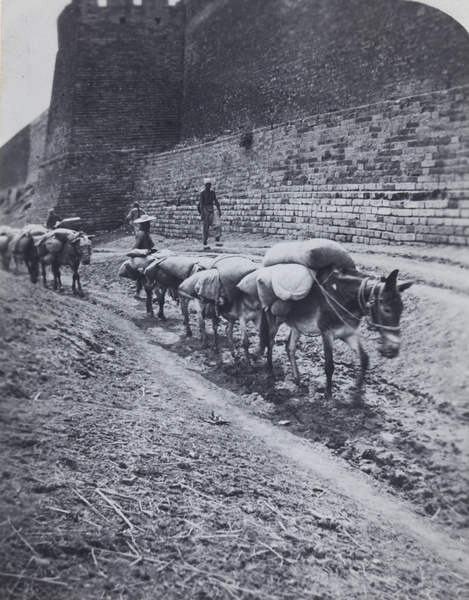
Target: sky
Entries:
(29, 47)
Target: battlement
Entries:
(94, 4)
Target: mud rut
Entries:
(142, 469)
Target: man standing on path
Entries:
(133, 215)
(210, 213)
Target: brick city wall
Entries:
(251, 63)
(392, 171)
(284, 74)
(117, 95)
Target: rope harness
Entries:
(370, 307)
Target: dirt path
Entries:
(133, 467)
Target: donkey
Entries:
(167, 274)
(215, 296)
(22, 248)
(64, 247)
(334, 308)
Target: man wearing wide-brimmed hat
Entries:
(210, 217)
(143, 239)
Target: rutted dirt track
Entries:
(134, 467)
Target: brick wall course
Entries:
(260, 188)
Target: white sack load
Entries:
(291, 282)
(134, 266)
(140, 252)
(248, 284)
(61, 234)
(279, 282)
(314, 254)
(232, 269)
(206, 262)
(204, 284)
(4, 241)
(179, 267)
(154, 261)
(34, 230)
(265, 290)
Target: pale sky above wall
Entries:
(29, 46)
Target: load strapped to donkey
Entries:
(315, 289)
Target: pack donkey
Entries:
(64, 247)
(334, 308)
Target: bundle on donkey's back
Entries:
(330, 301)
(215, 294)
(159, 272)
(64, 247)
(134, 268)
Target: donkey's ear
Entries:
(391, 280)
(404, 286)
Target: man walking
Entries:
(210, 213)
(133, 215)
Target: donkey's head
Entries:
(386, 310)
(82, 245)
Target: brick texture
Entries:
(392, 171)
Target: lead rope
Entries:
(365, 306)
(329, 297)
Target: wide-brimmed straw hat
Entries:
(144, 219)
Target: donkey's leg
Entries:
(16, 263)
(5, 261)
(185, 315)
(76, 284)
(44, 275)
(273, 327)
(32, 264)
(328, 344)
(57, 278)
(149, 300)
(200, 317)
(230, 336)
(215, 325)
(291, 345)
(160, 293)
(138, 288)
(355, 344)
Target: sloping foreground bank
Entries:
(119, 481)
